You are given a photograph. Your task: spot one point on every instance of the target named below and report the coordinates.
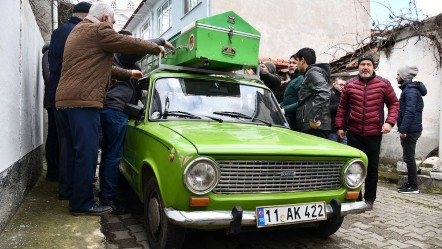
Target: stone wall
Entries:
(16, 182)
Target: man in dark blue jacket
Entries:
(56, 50)
(113, 125)
(409, 121)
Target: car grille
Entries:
(278, 176)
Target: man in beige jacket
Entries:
(87, 69)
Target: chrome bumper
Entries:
(195, 219)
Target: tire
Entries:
(160, 233)
(328, 227)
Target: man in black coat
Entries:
(270, 77)
(313, 114)
(335, 97)
(56, 50)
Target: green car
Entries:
(213, 151)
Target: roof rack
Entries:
(154, 65)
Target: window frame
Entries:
(162, 11)
(188, 5)
(145, 30)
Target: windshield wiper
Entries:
(242, 115)
(190, 115)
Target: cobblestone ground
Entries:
(397, 221)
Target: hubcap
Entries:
(154, 215)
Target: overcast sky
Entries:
(425, 7)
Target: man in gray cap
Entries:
(361, 108)
(56, 170)
(410, 122)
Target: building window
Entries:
(113, 5)
(165, 17)
(190, 4)
(130, 5)
(145, 30)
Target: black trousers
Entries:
(78, 135)
(371, 146)
(408, 150)
(52, 148)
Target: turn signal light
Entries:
(352, 195)
(199, 201)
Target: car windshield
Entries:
(219, 101)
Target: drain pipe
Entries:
(440, 125)
(54, 14)
(208, 8)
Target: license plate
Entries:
(289, 214)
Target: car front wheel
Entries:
(161, 234)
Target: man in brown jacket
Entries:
(87, 68)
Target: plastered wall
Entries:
(422, 53)
(286, 26)
(21, 83)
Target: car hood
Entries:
(251, 139)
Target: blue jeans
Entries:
(409, 148)
(78, 133)
(334, 137)
(113, 126)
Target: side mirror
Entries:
(134, 111)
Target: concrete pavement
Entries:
(397, 221)
(43, 221)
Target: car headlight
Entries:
(201, 176)
(354, 174)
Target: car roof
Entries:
(177, 71)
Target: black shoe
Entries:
(406, 185)
(96, 210)
(408, 190)
(369, 205)
(117, 209)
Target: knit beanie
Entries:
(364, 57)
(271, 67)
(408, 72)
(82, 7)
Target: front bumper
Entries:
(195, 219)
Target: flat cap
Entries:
(82, 7)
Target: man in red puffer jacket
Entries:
(363, 99)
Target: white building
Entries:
(21, 105)
(422, 50)
(123, 11)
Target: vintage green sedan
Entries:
(207, 151)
